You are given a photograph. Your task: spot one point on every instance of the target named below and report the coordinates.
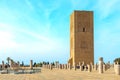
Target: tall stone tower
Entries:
(81, 37)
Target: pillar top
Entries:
(101, 59)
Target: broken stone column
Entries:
(50, 67)
(43, 66)
(31, 64)
(117, 68)
(89, 68)
(101, 65)
(81, 68)
(62, 66)
(69, 66)
(104, 67)
(3, 65)
(108, 65)
(11, 64)
(18, 64)
(58, 66)
(92, 66)
(95, 66)
(79, 65)
(74, 66)
(65, 66)
(83, 63)
(85, 68)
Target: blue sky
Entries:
(39, 29)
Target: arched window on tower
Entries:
(84, 29)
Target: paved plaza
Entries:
(56, 74)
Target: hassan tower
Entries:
(81, 37)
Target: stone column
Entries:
(31, 64)
(108, 65)
(81, 68)
(55, 64)
(117, 69)
(50, 66)
(11, 64)
(95, 66)
(3, 65)
(58, 66)
(62, 66)
(85, 68)
(65, 66)
(74, 66)
(69, 66)
(92, 66)
(114, 66)
(79, 65)
(104, 67)
(43, 66)
(18, 63)
(100, 65)
(83, 63)
(89, 68)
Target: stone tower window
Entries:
(84, 29)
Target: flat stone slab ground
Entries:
(56, 74)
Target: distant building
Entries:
(81, 37)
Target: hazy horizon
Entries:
(40, 30)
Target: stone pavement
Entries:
(57, 74)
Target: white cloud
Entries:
(6, 40)
(40, 43)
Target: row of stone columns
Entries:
(11, 65)
(104, 67)
(59, 66)
(48, 66)
(101, 66)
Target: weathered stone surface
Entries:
(117, 68)
(31, 64)
(74, 66)
(89, 68)
(104, 67)
(100, 65)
